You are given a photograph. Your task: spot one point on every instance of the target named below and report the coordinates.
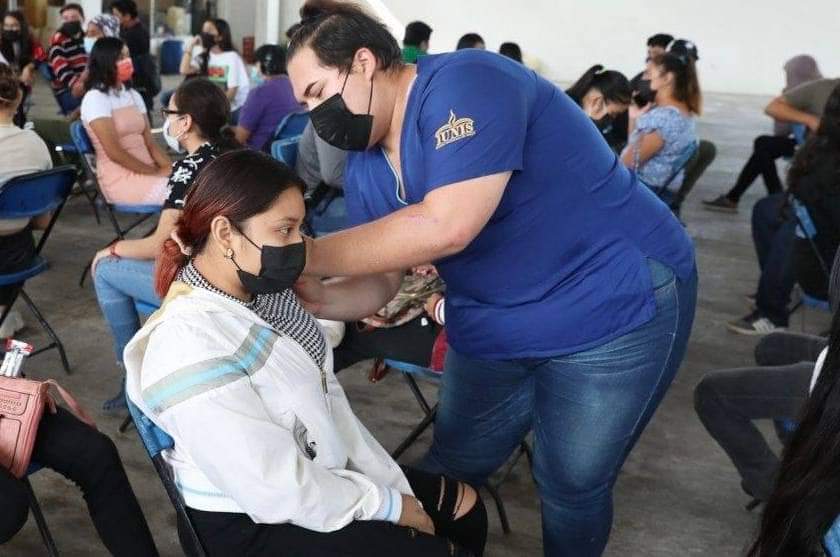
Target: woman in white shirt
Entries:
(23, 153)
(268, 454)
(219, 61)
(130, 166)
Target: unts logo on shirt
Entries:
(454, 130)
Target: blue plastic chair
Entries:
(27, 197)
(800, 133)
(171, 52)
(679, 165)
(806, 230)
(831, 541)
(412, 371)
(287, 136)
(155, 441)
(85, 149)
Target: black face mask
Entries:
(280, 267)
(71, 29)
(604, 124)
(207, 40)
(11, 36)
(335, 124)
(644, 95)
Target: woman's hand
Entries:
(196, 41)
(27, 75)
(101, 254)
(635, 111)
(311, 293)
(413, 516)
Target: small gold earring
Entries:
(229, 253)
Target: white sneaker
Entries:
(12, 324)
(753, 325)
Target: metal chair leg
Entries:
(49, 542)
(500, 506)
(46, 326)
(128, 422)
(415, 433)
(418, 394)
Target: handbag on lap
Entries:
(22, 403)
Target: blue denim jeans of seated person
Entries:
(587, 411)
(774, 236)
(119, 282)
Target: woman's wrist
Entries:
(112, 249)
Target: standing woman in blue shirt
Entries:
(570, 287)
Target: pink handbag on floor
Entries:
(22, 403)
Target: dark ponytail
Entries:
(336, 30)
(686, 84)
(209, 108)
(237, 185)
(612, 85)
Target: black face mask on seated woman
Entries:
(280, 268)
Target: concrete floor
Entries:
(677, 494)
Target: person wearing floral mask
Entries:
(195, 122)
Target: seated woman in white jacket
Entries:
(268, 455)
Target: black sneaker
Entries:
(753, 324)
(721, 204)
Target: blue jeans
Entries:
(774, 235)
(118, 283)
(586, 410)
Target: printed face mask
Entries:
(338, 126)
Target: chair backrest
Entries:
(807, 230)
(286, 150)
(155, 441)
(84, 146)
(34, 194)
(831, 541)
(679, 165)
(292, 125)
(800, 133)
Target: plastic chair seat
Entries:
(815, 303)
(414, 369)
(39, 265)
(137, 209)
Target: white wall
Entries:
(743, 43)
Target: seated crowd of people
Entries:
(249, 334)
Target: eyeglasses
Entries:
(166, 112)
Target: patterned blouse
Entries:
(677, 132)
(281, 310)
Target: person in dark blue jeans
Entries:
(571, 287)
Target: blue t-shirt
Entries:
(265, 106)
(561, 265)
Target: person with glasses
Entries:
(196, 122)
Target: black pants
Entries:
(90, 459)
(766, 149)
(225, 534)
(728, 401)
(16, 253)
(411, 343)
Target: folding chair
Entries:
(679, 165)
(831, 540)
(155, 441)
(806, 230)
(46, 536)
(84, 147)
(411, 372)
(27, 197)
(284, 144)
(145, 309)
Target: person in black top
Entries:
(195, 121)
(136, 37)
